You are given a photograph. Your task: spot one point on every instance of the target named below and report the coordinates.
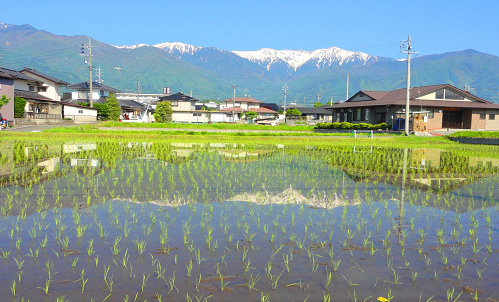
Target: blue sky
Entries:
(374, 27)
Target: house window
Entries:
(237, 105)
(80, 111)
(82, 95)
(31, 88)
(196, 114)
(448, 95)
(42, 89)
(102, 93)
(492, 117)
(175, 103)
(439, 94)
(431, 113)
(482, 116)
(361, 94)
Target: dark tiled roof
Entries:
(179, 96)
(43, 75)
(130, 104)
(397, 97)
(242, 100)
(30, 95)
(313, 110)
(272, 106)
(16, 75)
(95, 85)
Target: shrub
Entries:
(112, 107)
(19, 105)
(163, 112)
(348, 126)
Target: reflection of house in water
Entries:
(238, 155)
(427, 169)
(77, 162)
(49, 165)
(71, 148)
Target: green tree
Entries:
(317, 104)
(293, 111)
(112, 108)
(250, 115)
(4, 100)
(163, 112)
(19, 105)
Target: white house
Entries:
(81, 91)
(50, 87)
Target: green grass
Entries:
(209, 126)
(478, 134)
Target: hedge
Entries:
(350, 126)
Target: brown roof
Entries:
(243, 100)
(43, 75)
(397, 97)
(239, 109)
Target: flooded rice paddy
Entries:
(137, 221)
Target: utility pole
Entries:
(318, 97)
(285, 88)
(406, 48)
(98, 72)
(234, 104)
(331, 101)
(348, 80)
(84, 48)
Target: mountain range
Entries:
(210, 72)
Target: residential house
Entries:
(81, 92)
(51, 87)
(131, 111)
(7, 89)
(42, 95)
(184, 109)
(231, 110)
(431, 107)
(315, 114)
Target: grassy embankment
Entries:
(477, 134)
(220, 126)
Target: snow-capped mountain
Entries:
(271, 59)
(176, 48)
(130, 46)
(296, 58)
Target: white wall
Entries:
(53, 89)
(70, 111)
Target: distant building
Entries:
(184, 109)
(315, 114)
(81, 92)
(131, 110)
(431, 107)
(239, 106)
